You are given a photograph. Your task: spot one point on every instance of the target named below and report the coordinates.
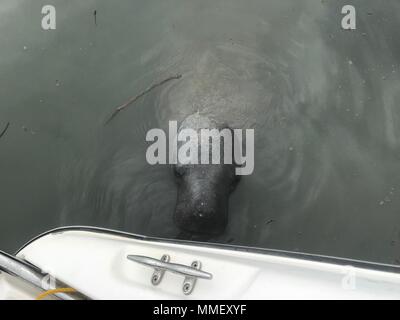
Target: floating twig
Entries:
(5, 130)
(269, 221)
(132, 100)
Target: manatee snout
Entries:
(204, 189)
(203, 196)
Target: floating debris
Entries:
(388, 197)
(132, 100)
(26, 129)
(269, 222)
(4, 130)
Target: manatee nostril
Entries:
(179, 171)
(177, 174)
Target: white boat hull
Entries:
(96, 264)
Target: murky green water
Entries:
(324, 103)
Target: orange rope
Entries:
(54, 291)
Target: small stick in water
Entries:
(132, 100)
(269, 221)
(5, 130)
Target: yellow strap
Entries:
(54, 291)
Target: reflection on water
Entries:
(323, 103)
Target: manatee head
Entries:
(204, 188)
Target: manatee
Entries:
(204, 189)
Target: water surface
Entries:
(324, 104)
